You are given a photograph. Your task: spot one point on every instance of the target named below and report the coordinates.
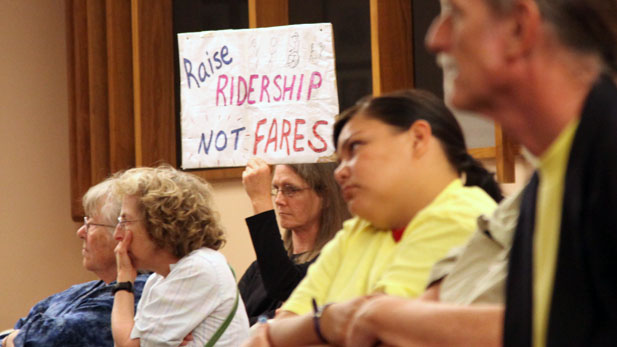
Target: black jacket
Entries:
(583, 308)
(269, 280)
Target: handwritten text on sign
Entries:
(268, 92)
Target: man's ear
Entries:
(523, 28)
(420, 135)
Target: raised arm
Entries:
(280, 274)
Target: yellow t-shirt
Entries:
(552, 170)
(361, 259)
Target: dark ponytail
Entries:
(477, 175)
(402, 109)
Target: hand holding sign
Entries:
(256, 179)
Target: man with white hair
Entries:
(544, 70)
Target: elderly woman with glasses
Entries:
(80, 315)
(310, 209)
(167, 225)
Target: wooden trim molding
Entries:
(219, 174)
(506, 151)
(482, 152)
(98, 114)
(153, 82)
(77, 61)
(391, 45)
(268, 13)
(120, 82)
(505, 171)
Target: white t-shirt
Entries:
(195, 297)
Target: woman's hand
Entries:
(126, 270)
(187, 339)
(257, 180)
(259, 338)
(8, 341)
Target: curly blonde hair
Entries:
(177, 208)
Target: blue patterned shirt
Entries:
(78, 316)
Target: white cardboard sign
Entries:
(267, 92)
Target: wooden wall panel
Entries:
(79, 125)
(120, 82)
(268, 13)
(97, 90)
(391, 45)
(505, 156)
(153, 78)
(219, 174)
(121, 87)
(482, 152)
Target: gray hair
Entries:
(585, 26)
(99, 201)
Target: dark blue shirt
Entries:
(78, 316)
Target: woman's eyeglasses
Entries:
(123, 222)
(288, 190)
(89, 224)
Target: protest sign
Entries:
(267, 92)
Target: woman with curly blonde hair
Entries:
(167, 225)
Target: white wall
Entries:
(39, 251)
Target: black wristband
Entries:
(316, 316)
(128, 286)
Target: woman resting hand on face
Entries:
(167, 225)
(310, 210)
(405, 173)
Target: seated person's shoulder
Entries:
(473, 198)
(352, 227)
(502, 222)
(205, 265)
(459, 205)
(355, 223)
